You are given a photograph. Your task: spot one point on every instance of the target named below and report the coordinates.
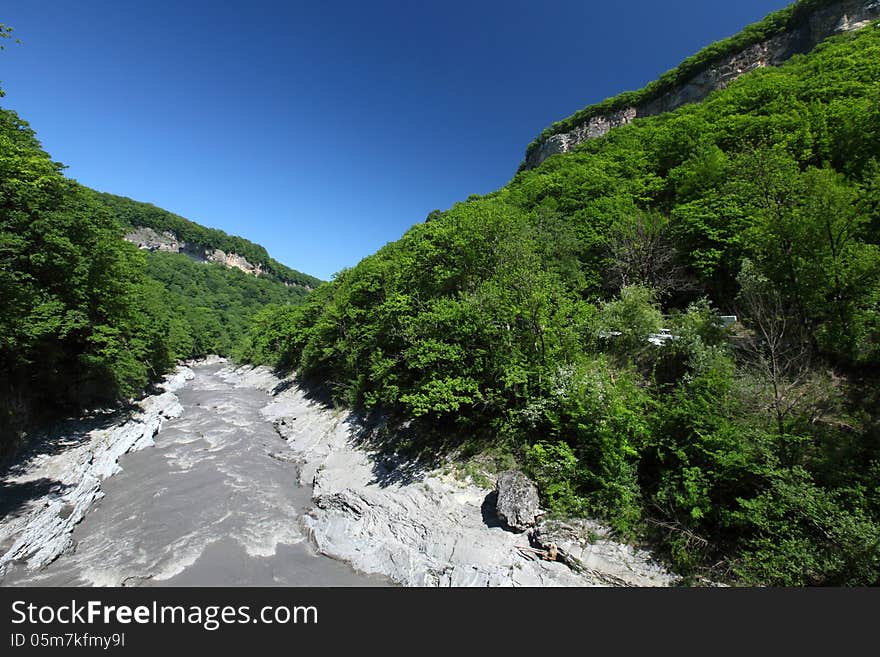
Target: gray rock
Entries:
(518, 503)
(427, 529)
(148, 239)
(589, 549)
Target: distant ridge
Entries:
(152, 228)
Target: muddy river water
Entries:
(213, 503)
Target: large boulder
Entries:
(518, 502)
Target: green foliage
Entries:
(627, 322)
(601, 413)
(132, 214)
(86, 318)
(80, 322)
(553, 466)
(797, 533)
(265, 341)
(216, 304)
(5, 33)
(776, 23)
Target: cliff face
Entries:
(837, 17)
(147, 238)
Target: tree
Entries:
(626, 322)
(5, 33)
(775, 348)
(642, 253)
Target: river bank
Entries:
(184, 493)
(51, 486)
(250, 481)
(421, 527)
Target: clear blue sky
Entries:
(323, 130)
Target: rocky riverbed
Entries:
(423, 527)
(205, 505)
(250, 481)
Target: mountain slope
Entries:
(217, 303)
(783, 34)
(163, 230)
(570, 321)
(80, 322)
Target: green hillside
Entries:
(217, 303)
(80, 322)
(85, 317)
(526, 325)
(132, 214)
(776, 23)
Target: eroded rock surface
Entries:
(587, 547)
(518, 502)
(148, 239)
(71, 470)
(216, 502)
(419, 527)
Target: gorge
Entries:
(234, 477)
(649, 359)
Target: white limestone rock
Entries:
(42, 530)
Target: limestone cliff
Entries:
(147, 238)
(828, 19)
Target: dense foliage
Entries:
(79, 320)
(85, 317)
(135, 213)
(216, 303)
(776, 23)
(530, 320)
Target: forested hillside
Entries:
(81, 321)
(529, 324)
(217, 303)
(800, 13)
(132, 214)
(85, 317)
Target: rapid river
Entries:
(213, 503)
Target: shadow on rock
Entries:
(489, 511)
(402, 452)
(285, 384)
(313, 390)
(398, 451)
(14, 495)
(391, 469)
(61, 436)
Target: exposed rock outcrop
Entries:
(233, 261)
(417, 526)
(587, 548)
(518, 503)
(71, 468)
(836, 18)
(147, 238)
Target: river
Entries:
(213, 503)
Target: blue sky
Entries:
(323, 130)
